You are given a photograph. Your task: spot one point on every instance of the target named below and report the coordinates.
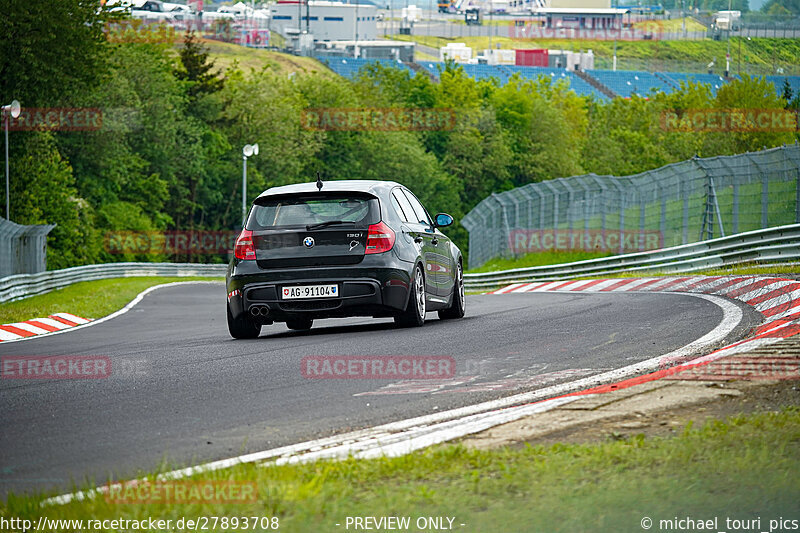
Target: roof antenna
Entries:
(319, 182)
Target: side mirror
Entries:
(442, 220)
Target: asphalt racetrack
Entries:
(182, 391)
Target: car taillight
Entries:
(244, 248)
(380, 238)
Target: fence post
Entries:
(764, 200)
(735, 213)
(555, 212)
(570, 202)
(603, 201)
(603, 205)
(555, 207)
(797, 196)
(642, 222)
(685, 194)
(528, 203)
(587, 208)
(662, 225)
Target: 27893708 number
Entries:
(214, 523)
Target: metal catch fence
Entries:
(23, 249)
(690, 201)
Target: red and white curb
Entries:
(40, 326)
(774, 298)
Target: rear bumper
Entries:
(378, 286)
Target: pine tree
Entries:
(787, 90)
(197, 69)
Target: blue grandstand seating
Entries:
(476, 71)
(622, 82)
(714, 81)
(628, 82)
(794, 83)
(576, 83)
(503, 72)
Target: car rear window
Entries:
(289, 211)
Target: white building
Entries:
(327, 21)
(458, 52)
(240, 10)
(381, 49)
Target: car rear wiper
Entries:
(321, 225)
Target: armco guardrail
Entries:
(772, 244)
(24, 285)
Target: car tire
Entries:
(458, 307)
(243, 327)
(299, 324)
(414, 314)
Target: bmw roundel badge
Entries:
(308, 242)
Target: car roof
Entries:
(368, 186)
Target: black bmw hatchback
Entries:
(341, 249)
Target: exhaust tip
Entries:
(259, 310)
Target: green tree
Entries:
(51, 51)
(479, 156)
(743, 94)
(265, 108)
(196, 69)
(787, 90)
(541, 137)
(43, 192)
(781, 7)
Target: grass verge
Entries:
(87, 299)
(744, 467)
(670, 25)
(225, 54)
(537, 259)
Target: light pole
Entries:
(12, 109)
(247, 151)
(355, 40)
(728, 54)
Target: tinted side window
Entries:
(407, 209)
(419, 211)
(399, 208)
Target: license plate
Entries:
(310, 291)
